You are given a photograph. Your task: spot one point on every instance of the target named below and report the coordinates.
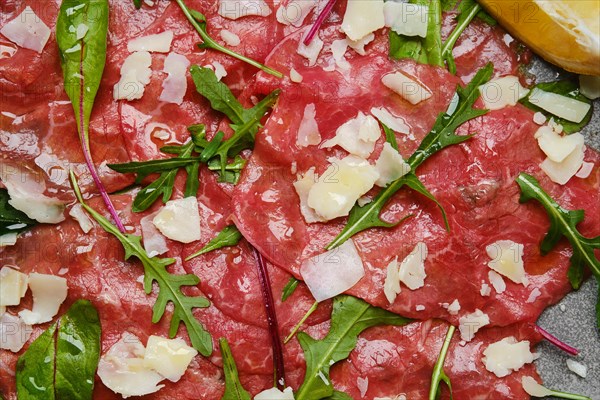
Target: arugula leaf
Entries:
(289, 288)
(62, 361)
(233, 387)
(390, 136)
(82, 60)
(198, 21)
(229, 236)
(169, 285)
(566, 88)
(137, 4)
(246, 122)
(439, 375)
(426, 50)
(468, 10)
(350, 317)
(563, 223)
(337, 395)
(11, 219)
(441, 136)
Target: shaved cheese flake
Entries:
(555, 146)
(469, 324)
(308, 132)
(159, 43)
(312, 51)
(303, 186)
(179, 220)
(454, 307)
(27, 30)
(561, 106)
(357, 136)
(406, 87)
(26, 194)
(295, 76)
(391, 286)
(168, 357)
(333, 272)
(275, 394)
(359, 45)
(507, 355)
(135, 75)
(507, 259)
(397, 124)
(122, 369)
(390, 166)
(13, 286)
(412, 269)
(562, 172)
(406, 19)
(340, 186)
(85, 223)
(82, 30)
(585, 170)
(501, 92)
(219, 69)
(155, 243)
(338, 50)
(485, 289)
(362, 17)
(49, 292)
(234, 9)
(497, 281)
(175, 86)
(535, 293)
(533, 388)
(14, 332)
(8, 239)
(230, 38)
(577, 367)
(589, 86)
(295, 12)
(539, 118)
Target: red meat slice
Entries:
(473, 181)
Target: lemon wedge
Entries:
(564, 32)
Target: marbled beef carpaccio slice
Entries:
(474, 182)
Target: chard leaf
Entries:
(229, 236)
(350, 317)
(441, 136)
(289, 288)
(169, 285)
(82, 60)
(566, 88)
(11, 219)
(439, 375)
(233, 387)
(563, 223)
(61, 363)
(198, 21)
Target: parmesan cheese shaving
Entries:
(175, 85)
(235, 9)
(357, 136)
(506, 356)
(27, 30)
(135, 75)
(405, 86)
(159, 43)
(501, 92)
(308, 132)
(406, 19)
(362, 17)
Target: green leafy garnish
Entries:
(566, 88)
(169, 285)
(221, 156)
(82, 58)
(468, 10)
(289, 288)
(137, 4)
(11, 219)
(563, 223)
(441, 136)
(233, 387)
(426, 50)
(439, 375)
(229, 236)
(61, 363)
(350, 317)
(198, 21)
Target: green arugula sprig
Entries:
(11, 219)
(350, 317)
(567, 88)
(198, 21)
(563, 223)
(439, 375)
(61, 363)
(216, 153)
(169, 285)
(289, 288)
(441, 136)
(229, 236)
(233, 387)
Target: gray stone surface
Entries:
(573, 319)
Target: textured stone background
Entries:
(576, 324)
